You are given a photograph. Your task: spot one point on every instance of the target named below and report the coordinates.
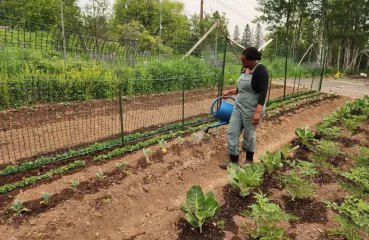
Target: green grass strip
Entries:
(96, 147)
(33, 179)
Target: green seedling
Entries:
(199, 207)
(220, 224)
(100, 175)
(45, 198)
(306, 135)
(123, 167)
(149, 178)
(18, 207)
(287, 151)
(147, 152)
(180, 140)
(106, 201)
(266, 215)
(164, 145)
(74, 185)
(272, 161)
(245, 178)
(195, 138)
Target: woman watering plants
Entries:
(252, 87)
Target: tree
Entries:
(43, 14)
(95, 18)
(258, 36)
(246, 37)
(236, 34)
(175, 26)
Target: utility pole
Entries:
(63, 30)
(202, 10)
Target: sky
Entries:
(239, 12)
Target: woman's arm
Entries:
(262, 82)
(229, 92)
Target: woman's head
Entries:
(249, 57)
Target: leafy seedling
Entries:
(297, 181)
(306, 135)
(199, 207)
(245, 178)
(106, 201)
(195, 138)
(180, 140)
(353, 218)
(265, 215)
(100, 175)
(45, 198)
(147, 152)
(164, 145)
(18, 207)
(123, 166)
(287, 151)
(220, 224)
(272, 161)
(74, 185)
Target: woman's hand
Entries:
(256, 118)
(225, 95)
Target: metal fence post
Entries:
(183, 101)
(121, 113)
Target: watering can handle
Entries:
(215, 101)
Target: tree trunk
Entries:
(358, 65)
(347, 53)
(339, 58)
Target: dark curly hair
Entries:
(252, 54)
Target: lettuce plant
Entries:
(245, 178)
(306, 135)
(272, 161)
(199, 207)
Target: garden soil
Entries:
(145, 205)
(31, 132)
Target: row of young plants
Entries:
(159, 139)
(295, 99)
(96, 147)
(283, 108)
(33, 179)
(290, 96)
(298, 182)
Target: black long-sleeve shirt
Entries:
(259, 82)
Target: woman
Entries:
(252, 88)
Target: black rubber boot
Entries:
(249, 157)
(232, 159)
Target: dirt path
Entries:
(42, 130)
(142, 209)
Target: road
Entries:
(345, 88)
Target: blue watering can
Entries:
(223, 113)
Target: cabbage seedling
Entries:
(199, 206)
(74, 185)
(46, 198)
(123, 166)
(180, 140)
(147, 153)
(18, 207)
(164, 145)
(100, 175)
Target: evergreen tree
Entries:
(246, 36)
(258, 36)
(236, 34)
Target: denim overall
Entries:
(241, 119)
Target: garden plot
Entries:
(144, 203)
(33, 131)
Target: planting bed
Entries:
(32, 131)
(144, 203)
